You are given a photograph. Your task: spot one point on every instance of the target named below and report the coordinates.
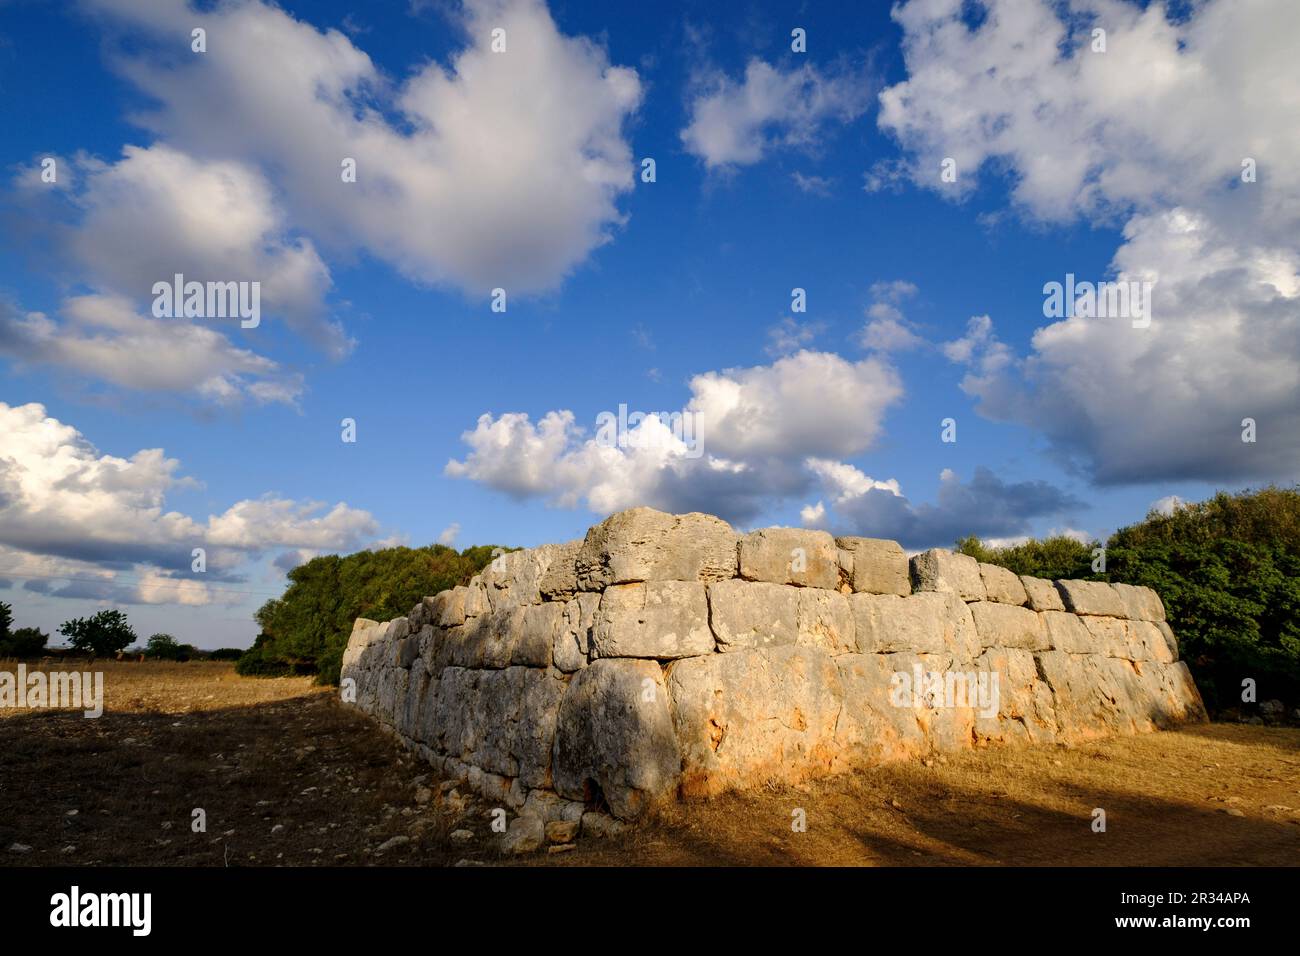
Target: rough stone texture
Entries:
(927, 623)
(752, 614)
(877, 566)
(663, 656)
(660, 619)
(1140, 603)
(573, 642)
(790, 556)
(1042, 594)
(647, 545)
(615, 738)
(1005, 625)
(1091, 597)
(1001, 585)
(940, 570)
(754, 715)
(560, 579)
(824, 619)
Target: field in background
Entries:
(287, 776)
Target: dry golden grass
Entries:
(258, 754)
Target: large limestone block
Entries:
(1001, 585)
(1092, 697)
(408, 721)
(1067, 632)
(756, 715)
(614, 738)
(752, 614)
(824, 620)
(878, 566)
(643, 544)
(1140, 603)
(876, 724)
(515, 577)
(1007, 625)
(487, 640)
(947, 571)
(1042, 594)
(659, 619)
(1147, 642)
(534, 732)
(448, 607)
(790, 556)
(536, 644)
(362, 631)
(1091, 597)
(573, 641)
(1026, 709)
(1170, 641)
(560, 580)
(931, 622)
(1110, 636)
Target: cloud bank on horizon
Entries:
(506, 155)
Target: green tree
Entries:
(6, 621)
(102, 634)
(24, 642)
(164, 647)
(306, 630)
(1056, 558)
(1228, 572)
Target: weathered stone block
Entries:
(925, 623)
(1001, 585)
(659, 619)
(643, 544)
(614, 738)
(560, 579)
(752, 614)
(824, 620)
(1140, 603)
(573, 641)
(947, 571)
(878, 566)
(754, 715)
(790, 556)
(1042, 594)
(1066, 632)
(1006, 625)
(1091, 597)
(536, 644)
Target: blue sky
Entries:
(775, 170)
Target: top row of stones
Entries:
(642, 544)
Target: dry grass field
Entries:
(286, 776)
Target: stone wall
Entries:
(667, 655)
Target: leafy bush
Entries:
(103, 634)
(1228, 571)
(1057, 558)
(164, 647)
(24, 642)
(225, 654)
(306, 630)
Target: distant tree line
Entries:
(306, 630)
(101, 635)
(1228, 570)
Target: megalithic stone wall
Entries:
(667, 655)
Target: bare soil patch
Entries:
(287, 776)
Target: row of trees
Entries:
(100, 635)
(1228, 570)
(307, 629)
